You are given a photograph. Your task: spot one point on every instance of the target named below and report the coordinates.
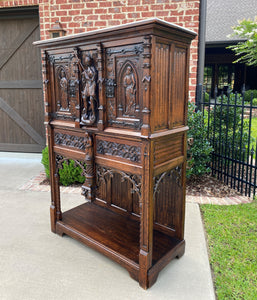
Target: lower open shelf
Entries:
(114, 235)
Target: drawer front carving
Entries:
(119, 149)
(69, 140)
(130, 152)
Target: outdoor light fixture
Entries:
(56, 30)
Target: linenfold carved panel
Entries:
(167, 189)
(119, 188)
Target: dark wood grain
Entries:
(116, 104)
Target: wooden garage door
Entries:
(21, 99)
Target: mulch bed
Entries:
(210, 187)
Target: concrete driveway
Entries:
(37, 264)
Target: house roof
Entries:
(223, 14)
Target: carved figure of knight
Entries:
(89, 78)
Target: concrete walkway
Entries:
(37, 264)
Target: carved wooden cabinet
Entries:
(116, 103)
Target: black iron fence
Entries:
(231, 121)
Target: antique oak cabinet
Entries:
(116, 103)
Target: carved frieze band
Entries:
(175, 173)
(69, 140)
(102, 174)
(136, 124)
(136, 50)
(132, 153)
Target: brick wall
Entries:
(78, 16)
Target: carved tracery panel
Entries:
(122, 86)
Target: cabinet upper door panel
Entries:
(64, 73)
(123, 90)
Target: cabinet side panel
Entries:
(178, 94)
(168, 148)
(160, 101)
(168, 198)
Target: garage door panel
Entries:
(21, 97)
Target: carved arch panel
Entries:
(119, 189)
(128, 91)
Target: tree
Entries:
(247, 49)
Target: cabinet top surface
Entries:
(138, 27)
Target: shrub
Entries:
(70, 172)
(199, 149)
(249, 94)
(45, 161)
(254, 103)
(226, 125)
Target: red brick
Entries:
(105, 17)
(117, 3)
(192, 12)
(133, 2)
(113, 22)
(78, 5)
(142, 8)
(73, 24)
(79, 30)
(66, 19)
(61, 1)
(148, 2)
(176, 13)
(92, 17)
(171, 6)
(119, 16)
(163, 1)
(91, 4)
(74, 12)
(148, 14)
(128, 8)
(61, 12)
(133, 15)
(162, 13)
(87, 11)
(91, 28)
(88, 24)
(101, 11)
(105, 4)
(172, 19)
(157, 7)
(114, 10)
(100, 23)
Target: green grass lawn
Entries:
(232, 238)
(254, 130)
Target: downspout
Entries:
(201, 52)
